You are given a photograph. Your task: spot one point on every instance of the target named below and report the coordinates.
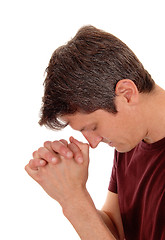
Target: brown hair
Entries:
(82, 75)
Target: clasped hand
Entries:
(60, 168)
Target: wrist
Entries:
(83, 215)
(76, 204)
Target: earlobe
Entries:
(127, 89)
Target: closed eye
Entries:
(89, 129)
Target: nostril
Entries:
(92, 146)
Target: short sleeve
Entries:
(113, 180)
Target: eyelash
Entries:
(92, 129)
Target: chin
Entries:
(124, 149)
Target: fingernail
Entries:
(42, 162)
(80, 160)
(54, 160)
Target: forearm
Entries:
(109, 223)
(85, 218)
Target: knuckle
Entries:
(78, 155)
(48, 155)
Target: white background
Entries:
(30, 31)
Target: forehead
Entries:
(80, 120)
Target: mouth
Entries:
(110, 144)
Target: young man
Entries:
(96, 84)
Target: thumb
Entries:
(84, 147)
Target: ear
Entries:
(127, 89)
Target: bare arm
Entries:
(109, 223)
(111, 216)
(86, 220)
(65, 182)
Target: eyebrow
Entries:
(82, 129)
(86, 127)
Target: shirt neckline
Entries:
(154, 145)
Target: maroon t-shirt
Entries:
(139, 179)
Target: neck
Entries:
(154, 115)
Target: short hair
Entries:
(82, 75)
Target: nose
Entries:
(92, 138)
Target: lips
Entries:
(105, 140)
(110, 144)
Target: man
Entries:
(97, 85)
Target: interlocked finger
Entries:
(76, 152)
(47, 145)
(61, 147)
(49, 156)
(35, 154)
(34, 164)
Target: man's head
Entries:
(123, 130)
(83, 74)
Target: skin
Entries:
(67, 163)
